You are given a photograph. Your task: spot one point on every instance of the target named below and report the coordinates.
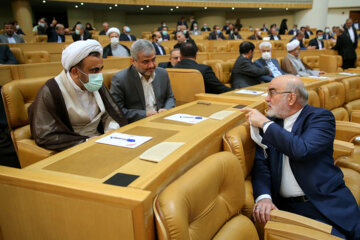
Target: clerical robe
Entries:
(58, 119)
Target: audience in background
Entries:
(274, 34)
(318, 42)
(230, 30)
(9, 36)
(174, 59)
(80, 33)
(212, 84)
(226, 26)
(192, 22)
(182, 21)
(308, 32)
(115, 48)
(266, 61)
(195, 30)
(125, 35)
(294, 30)
(283, 27)
(327, 34)
(265, 28)
(105, 28)
(88, 27)
(17, 29)
(182, 39)
(142, 90)
(162, 26)
(300, 37)
(256, 35)
(40, 29)
(6, 55)
(238, 24)
(56, 34)
(216, 34)
(205, 28)
(156, 41)
(164, 34)
(235, 35)
(246, 73)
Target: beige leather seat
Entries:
(224, 69)
(41, 38)
(352, 98)
(204, 204)
(312, 61)
(185, 83)
(18, 96)
(330, 63)
(36, 56)
(19, 55)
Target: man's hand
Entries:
(255, 117)
(162, 110)
(262, 209)
(150, 113)
(311, 47)
(322, 72)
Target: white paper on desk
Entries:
(318, 77)
(124, 140)
(347, 73)
(221, 115)
(186, 118)
(160, 151)
(264, 95)
(245, 91)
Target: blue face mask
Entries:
(164, 32)
(95, 81)
(127, 29)
(218, 31)
(184, 32)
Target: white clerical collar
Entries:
(75, 86)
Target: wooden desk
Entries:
(65, 179)
(336, 76)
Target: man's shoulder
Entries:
(309, 110)
(164, 64)
(123, 75)
(161, 72)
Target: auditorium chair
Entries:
(306, 42)
(352, 97)
(185, 83)
(19, 55)
(206, 203)
(330, 63)
(36, 56)
(280, 59)
(41, 38)
(312, 61)
(224, 70)
(212, 63)
(107, 75)
(278, 45)
(17, 97)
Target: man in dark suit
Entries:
(180, 36)
(266, 61)
(274, 34)
(307, 32)
(346, 43)
(300, 36)
(182, 21)
(318, 42)
(235, 35)
(105, 29)
(125, 35)
(9, 36)
(156, 41)
(6, 56)
(294, 30)
(256, 35)
(80, 33)
(205, 28)
(293, 168)
(216, 34)
(56, 34)
(174, 59)
(245, 73)
(142, 90)
(164, 34)
(188, 61)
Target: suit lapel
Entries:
(156, 87)
(138, 85)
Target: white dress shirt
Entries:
(289, 186)
(160, 49)
(119, 51)
(11, 40)
(274, 70)
(320, 44)
(150, 100)
(352, 34)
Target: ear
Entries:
(291, 99)
(133, 62)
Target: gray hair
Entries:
(80, 26)
(300, 91)
(265, 44)
(139, 46)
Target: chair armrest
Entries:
(347, 131)
(298, 220)
(355, 116)
(29, 152)
(276, 230)
(351, 163)
(342, 149)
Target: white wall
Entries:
(315, 17)
(343, 3)
(337, 16)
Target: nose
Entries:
(267, 99)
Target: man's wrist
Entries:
(264, 123)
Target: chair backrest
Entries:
(199, 203)
(18, 54)
(313, 98)
(224, 69)
(280, 59)
(36, 56)
(332, 97)
(212, 63)
(107, 75)
(329, 63)
(352, 88)
(312, 61)
(278, 45)
(41, 38)
(185, 83)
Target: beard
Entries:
(280, 110)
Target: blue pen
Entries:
(125, 139)
(190, 117)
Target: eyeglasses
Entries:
(272, 93)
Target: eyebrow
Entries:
(97, 68)
(270, 89)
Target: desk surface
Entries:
(98, 162)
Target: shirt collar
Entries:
(75, 86)
(290, 120)
(151, 79)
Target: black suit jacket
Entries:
(6, 56)
(355, 44)
(345, 47)
(108, 52)
(53, 36)
(212, 36)
(212, 84)
(87, 36)
(314, 42)
(165, 65)
(189, 40)
(124, 37)
(207, 29)
(245, 73)
(232, 36)
(157, 51)
(272, 37)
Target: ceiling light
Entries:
(115, 5)
(171, 9)
(110, 7)
(141, 9)
(147, 6)
(81, 4)
(44, 1)
(205, 8)
(76, 6)
(286, 9)
(232, 8)
(260, 8)
(177, 6)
